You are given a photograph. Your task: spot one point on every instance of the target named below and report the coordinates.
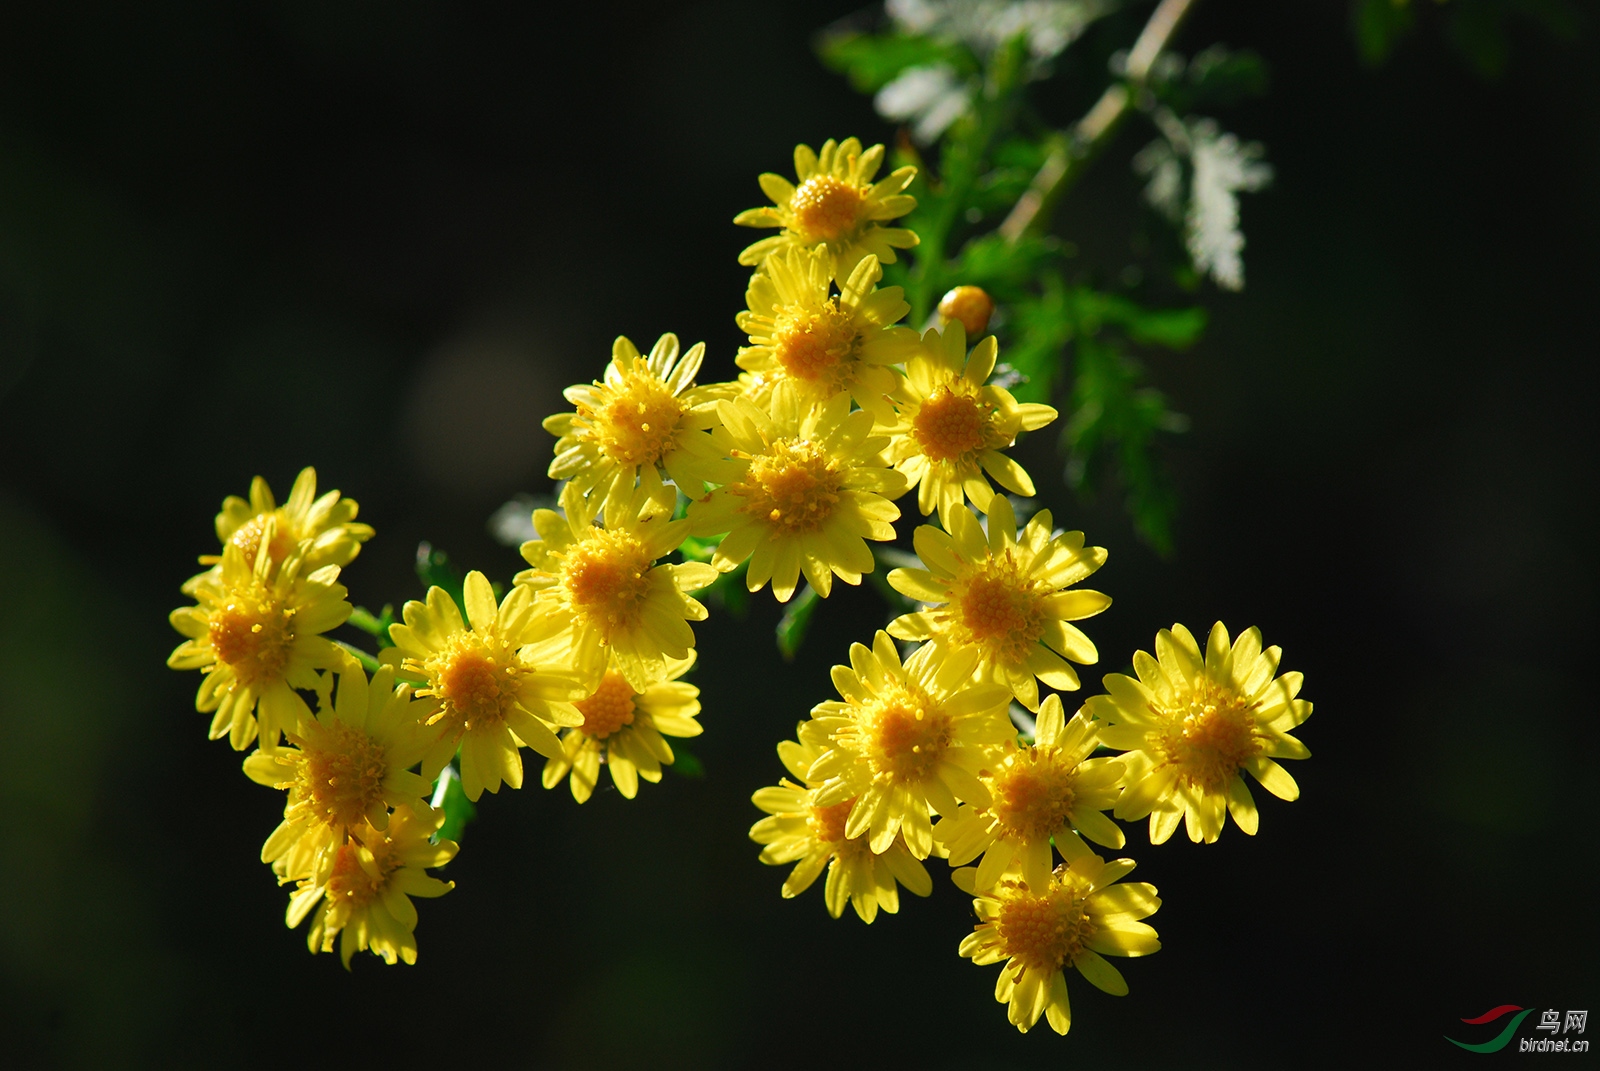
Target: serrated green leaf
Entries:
(1002, 267)
(450, 797)
(434, 570)
(795, 621)
(872, 61)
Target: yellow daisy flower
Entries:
(1080, 916)
(644, 416)
(601, 584)
(1006, 595)
(813, 487)
(346, 767)
(327, 524)
(837, 206)
(257, 633)
(906, 739)
(824, 344)
(626, 730)
(952, 427)
(797, 830)
(1051, 791)
(365, 901)
(498, 688)
(1192, 724)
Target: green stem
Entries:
(1076, 149)
(368, 662)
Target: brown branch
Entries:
(1089, 135)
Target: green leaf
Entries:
(434, 570)
(449, 796)
(1379, 25)
(872, 61)
(685, 762)
(795, 621)
(1217, 77)
(1002, 267)
(1115, 415)
(1040, 329)
(1173, 328)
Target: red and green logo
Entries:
(1500, 1041)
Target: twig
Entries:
(1089, 134)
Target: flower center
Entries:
(1044, 931)
(476, 685)
(827, 823)
(609, 708)
(345, 778)
(907, 737)
(999, 610)
(247, 537)
(825, 209)
(795, 488)
(949, 425)
(1033, 791)
(812, 343)
(253, 635)
(607, 577)
(352, 886)
(636, 425)
(1209, 735)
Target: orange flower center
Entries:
(609, 708)
(477, 684)
(827, 823)
(814, 344)
(607, 579)
(1044, 931)
(999, 611)
(247, 537)
(253, 635)
(824, 209)
(636, 425)
(794, 488)
(907, 737)
(1208, 735)
(352, 886)
(1033, 791)
(342, 773)
(950, 425)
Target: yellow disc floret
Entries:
(609, 708)
(1043, 931)
(952, 425)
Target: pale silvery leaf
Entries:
(1164, 191)
(930, 98)
(984, 25)
(1222, 168)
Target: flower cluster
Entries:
(780, 477)
(919, 756)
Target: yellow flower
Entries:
(952, 427)
(645, 415)
(813, 488)
(626, 730)
(1006, 595)
(1078, 918)
(798, 830)
(365, 901)
(906, 739)
(824, 344)
(257, 633)
(603, 587)
(837, 206)
(322, 529)
(497, 687)
(1050, 791)
(1191, 724)
(346, 768)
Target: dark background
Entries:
(380, 238)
